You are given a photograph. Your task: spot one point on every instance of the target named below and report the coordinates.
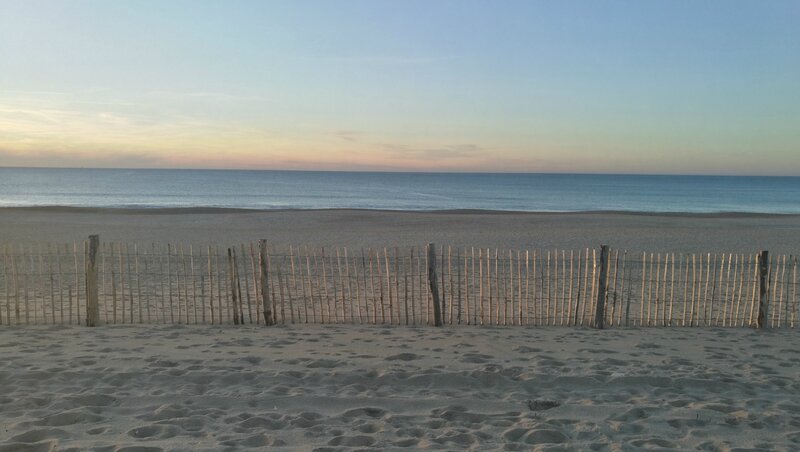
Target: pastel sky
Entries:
(680, 86)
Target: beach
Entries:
(359, 387)
(383, 388)
(723, 232)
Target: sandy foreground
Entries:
(353, 387)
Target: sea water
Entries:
(167, 188)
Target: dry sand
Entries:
(304, 387)
(358, 228)
(342, 387)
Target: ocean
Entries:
(157, 188)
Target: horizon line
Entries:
(401, 171)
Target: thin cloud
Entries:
(381, 60)
(348, 135)
(456, 151)
(54, 158)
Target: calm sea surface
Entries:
(396, 191)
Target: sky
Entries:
(667, 87)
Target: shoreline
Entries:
(237, 210)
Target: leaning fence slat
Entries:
(480, 283)
(341, 284)
(147, 300)
(527, 288)
(6, 286)
(622, 288)
(705, 291)
(131, 278)
(380, 272)
(238, 287)
(794, 290)
(60, 281)
(372, 288)
(742, 288)
(308, 282)
(389, 284)
(749, 283)
(563, 285)
(351, 274)
(754, 279)
(735, 291)
(30, 286)
(443, 289)
(138, 281)
(294, 288)
(549, 294)
(407, 270)
(728, 294)
(778, 291)
(413, 287)
(337, 306)
(721, 290)
(783, 315)
(220, 283)
(183, 295)
(657, 289)
(77, 282)
(193, 282)
(321, 289)
(52, 284)
(169, 287)
(602, 277)
(281, 292)
(667, 314)
(246, 297)
(504, 297)
(519, 289)
(614, 292)
(685, 290)
(450, 278)
(424, 288)
(302, 285)
(163, 313)
(774, 310)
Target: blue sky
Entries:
(706, 87)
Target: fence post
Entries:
(600, 313)
(262, 265)
(763, 283)
(92, 308)
(437, 308)
(232, 278)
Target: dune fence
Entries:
(93, 283)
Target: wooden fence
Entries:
(91, 283)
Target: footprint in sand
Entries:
(153, 432)
(352, 441)
(403, 357)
